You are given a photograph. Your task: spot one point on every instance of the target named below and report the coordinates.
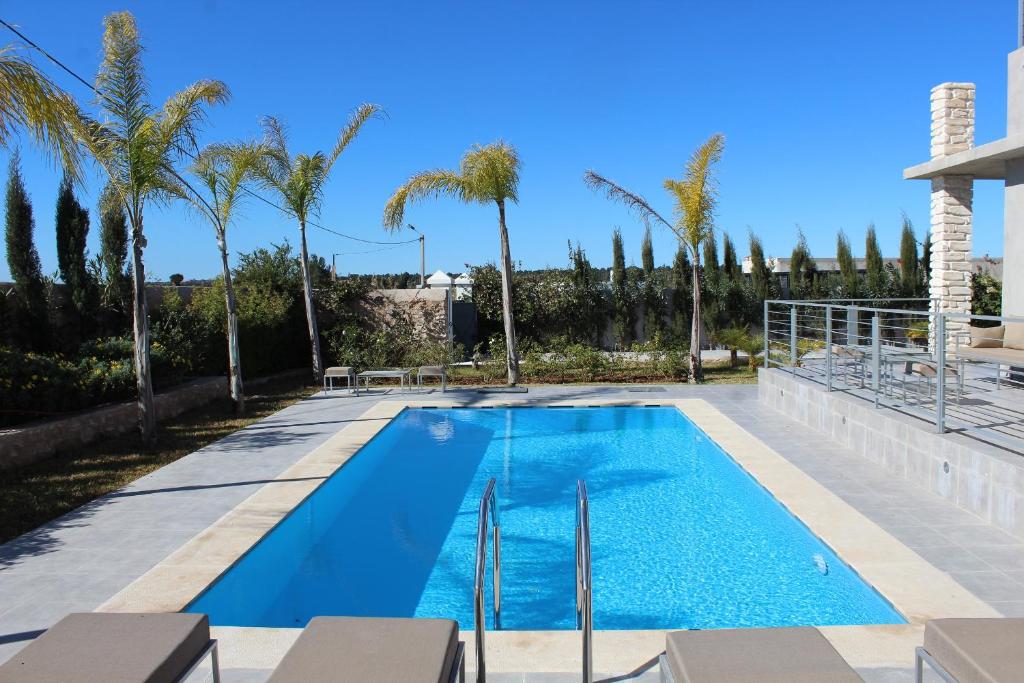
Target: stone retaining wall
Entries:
(33, 442)
(985, 481)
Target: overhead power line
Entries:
(260, 197)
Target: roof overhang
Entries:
(987, 162)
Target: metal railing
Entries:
(488, 503)
(905, 354)
(584, 599)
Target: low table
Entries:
(404, 377)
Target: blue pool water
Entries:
(682, 537)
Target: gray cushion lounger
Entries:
(756, 655)
(113, 648)
(362, 649)
(975, 650)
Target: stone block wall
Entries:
(39, 440)
(985, 482)
(952, 131)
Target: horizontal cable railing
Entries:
(958, 370)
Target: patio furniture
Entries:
(968, 650)
(362, 649)
(116, 648)
(999, 346)
(403, 376)
(929, 372)
(754, 655)
(336, 372)
(432, 371)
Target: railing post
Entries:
(876, 357)
(828, 348)
(940, 372)
(792, 337)
(852, 327)
(766, 333)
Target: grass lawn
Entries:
(33, 495)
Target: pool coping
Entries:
(918, 590)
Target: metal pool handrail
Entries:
(584, 607)
(488, 503)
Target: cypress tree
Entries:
(72, 226)
(710, 266)
(117, 284)
(760, 275)
(797, 261)
(682, 306)
(622, 306)
(23, 261)
(873, 264)
(910, 275)
(848, 275)
(652, 293)
(730, 262)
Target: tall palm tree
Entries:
(31, 101)
(137, 145)
(488, 173)
(694, 198)
(299, 180)
(223, 171)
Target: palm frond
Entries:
(491, 173)
(121, 85)
(361, 115)
(28, 99)
(178, 120)
(419, 187)
(632, 201)
(696, 195)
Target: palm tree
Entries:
(694, 198)
(137, 145)
(223, 170)
(299, 180)
(488, 173)
(30, 100)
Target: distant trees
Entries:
(910, 269)
(803, 271)
(762, 280)
(873, 264)
(682, 294)
(23, 261)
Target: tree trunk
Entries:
(696, 373)
(234, 353)
(307, 290)
(143, 371)
(506, 299)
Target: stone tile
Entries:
(979, 535)
(953, 558)
(1003, 558)
(922, 537)
(992, 586)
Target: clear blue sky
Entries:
(823, 104)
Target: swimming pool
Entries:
(682, 537)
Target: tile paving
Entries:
(80, 560)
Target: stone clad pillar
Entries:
(952, 130)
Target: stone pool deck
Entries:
(85, 558)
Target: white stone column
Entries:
(952, 130)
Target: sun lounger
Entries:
(754, 655)
(330, 374)
(432, 371)
(973, 650)
(115, 648)
(357, 650)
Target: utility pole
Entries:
(423, 253)
(334, 267)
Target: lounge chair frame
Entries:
(922, 656)
(209, 651)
